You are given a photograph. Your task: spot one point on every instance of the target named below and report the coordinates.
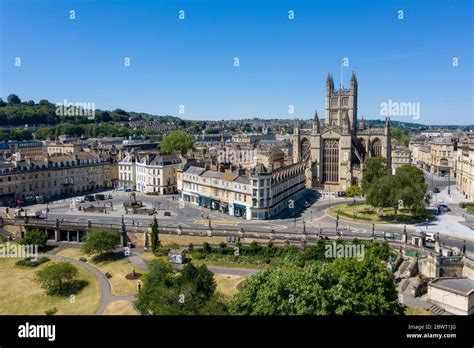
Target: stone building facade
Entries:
(334, 151)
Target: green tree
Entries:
(101, 241)
(155, 240)
(35, 237)
(177, 141)
(354, 191)
(191, 292)
(373, 169)
(383, 193)
(56, 277)
(342, 287)
(13, 99)
(405, 189)
(402, 137)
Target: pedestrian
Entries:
(139, 285)
(202, 215)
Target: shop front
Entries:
(240, 211)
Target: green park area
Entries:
(389, 198)
(115, 265)
(367, 213)
(22, 294)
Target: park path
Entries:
(107, 296)
(135, 259)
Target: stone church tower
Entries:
(334, 151)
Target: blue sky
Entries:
(283, 62)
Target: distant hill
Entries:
(44, 113)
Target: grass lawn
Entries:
(228, 264)
(117, 268)
(120, 308)
(365, 212)
(22, 295)
(148, 256)
(417, 311)
(229, 284)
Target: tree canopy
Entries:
(354, 191)
(193, 291)
(35, 237)
(405, 189)
(374, 168)
(56, 277)
(177, 141)
(101, 241)
(342, 287)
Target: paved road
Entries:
(452, 227)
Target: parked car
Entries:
(41, 199)
(128, 189)
(89, 198)
(99, 197)
(430, 237)
(443, 207)
(79, 200)
(436, 190)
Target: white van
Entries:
(430, 237)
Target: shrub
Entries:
(51, 311)
(162, 251)
(206, 248)
(29, 263)
(199, 256)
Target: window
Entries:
(377, 148)
(330, 160)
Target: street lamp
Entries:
(449, 182)
(353, 207)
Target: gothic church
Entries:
(334, 151)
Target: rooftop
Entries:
(464, 286)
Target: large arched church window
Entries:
(330, 160)
(377, 148)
